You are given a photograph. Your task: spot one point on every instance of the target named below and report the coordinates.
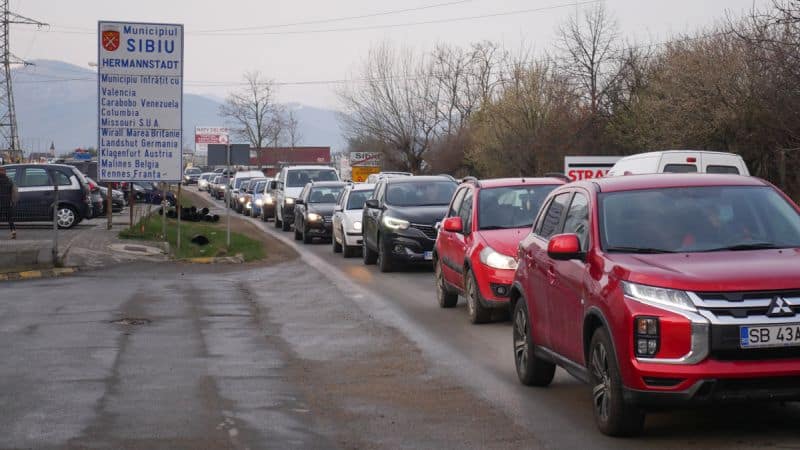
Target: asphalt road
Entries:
(480, 357)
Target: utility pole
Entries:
(8, 116)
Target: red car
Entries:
(476, 248)
(662, 290)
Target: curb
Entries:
(36, 274)
(238, 259)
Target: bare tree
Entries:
(590, 56)
(253, 112)
(293, 129)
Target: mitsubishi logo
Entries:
(779, 308)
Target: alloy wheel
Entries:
(521, 338)
(66, 217)
(602, 379)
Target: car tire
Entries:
(277, 222)
(370, 257)
(307, 238)
(349, 251)
(446, 298)
(477, 313)
(285, 226)
(337, 247)
(66, 217)
(297, 235)
(384, 260)
(531, 370)
(613, 415)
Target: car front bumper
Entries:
(409, 246)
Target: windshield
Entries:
(193, 171)
(358, 198)
(259, 186)
(324, 194)
(420, 193)
(205, 176)
(510, 207)
(300, 177)
(239, 182)
(697, 219)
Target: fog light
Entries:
(646, 336)
(399, 248)
(501, 290)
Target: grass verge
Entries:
(149, 229)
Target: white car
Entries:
(202, 182)
(347, 219)
(680, 161)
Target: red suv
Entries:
(662, 290)
(476, 248)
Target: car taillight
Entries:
(646, 339)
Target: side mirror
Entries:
(272, 185)
(299, 201)
(453, 224)
(564, 247)
(372, 203)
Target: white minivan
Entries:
(680, 161)
(290, 181)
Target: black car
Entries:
(399, 220)
(313, 210)
(36, 182)
(191, 175)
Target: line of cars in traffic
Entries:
(657, 286)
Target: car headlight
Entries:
(491, 258)
(289, 201)
(269, 200)
(357, 225)
(314, 217)
(395, 224)
(241, 199)
(259, 202)
(655, 296)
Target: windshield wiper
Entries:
(746, 246)
(646, 250)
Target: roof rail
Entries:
(558, 175)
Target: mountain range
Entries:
(57, 102)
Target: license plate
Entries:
(428, 256)
(786, 335)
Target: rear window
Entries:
(722, 169)
(680, 168)
(421, 193)
(301, 177)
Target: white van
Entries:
(680, 161)
(291, 181)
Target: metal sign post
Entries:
(164, 203)
(109, 206)
(228, 198)
(55, 224)
(178, 209)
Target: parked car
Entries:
(292, 180)
(347, 216)
(662, 290)
(191, 175)
(117, 199)
(268, 200)
(476, 249)
(36, 186)
(680, 161)
(399, 219)
(148, 192)
(98, 200)
(202, 182)
(313, 210)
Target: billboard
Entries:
(140, 101)
(365, 159)
(209, 135)
(587, 167)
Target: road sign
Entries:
(359, 174)
(140, 101)
(365, 159)
(82, 156)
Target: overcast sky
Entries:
(288, 52)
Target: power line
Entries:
(376, 27)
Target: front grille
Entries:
(427, 230)
(328, 220)
(728, 311)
